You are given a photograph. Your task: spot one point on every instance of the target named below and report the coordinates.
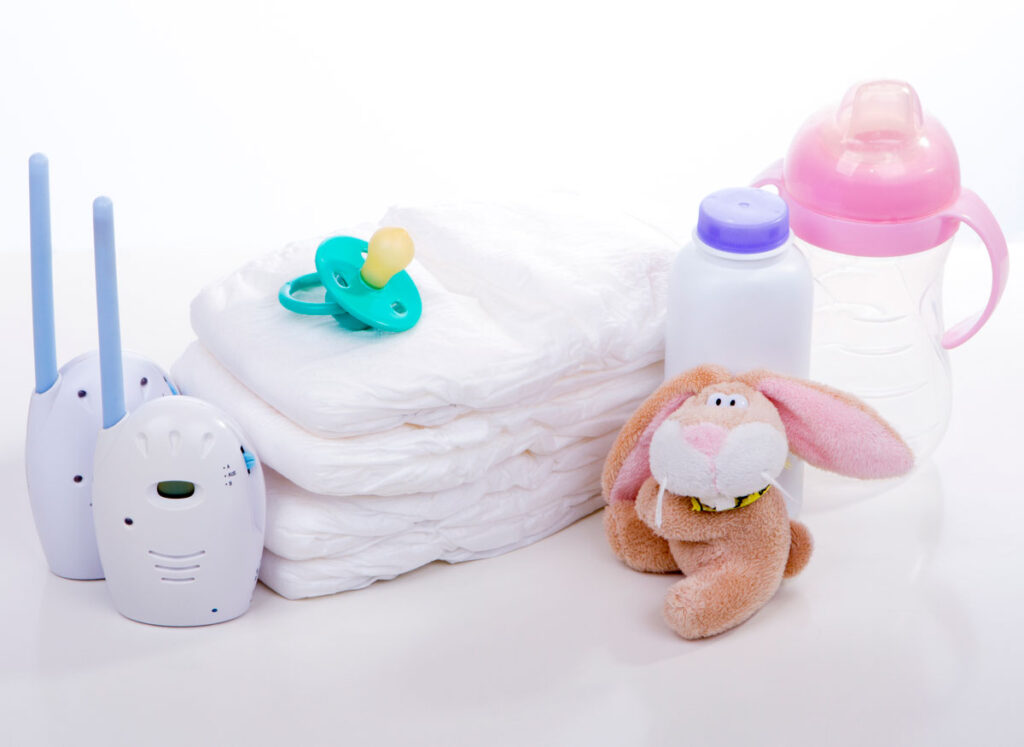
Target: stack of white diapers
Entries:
(481, 430)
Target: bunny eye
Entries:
(718, 399)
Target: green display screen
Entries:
(175, 489)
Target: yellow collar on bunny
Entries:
(743, 500)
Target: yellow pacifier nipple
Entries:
(389, 251)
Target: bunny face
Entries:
(728, 436)
(725, 442)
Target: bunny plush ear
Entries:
(628, 464)
(833, 430)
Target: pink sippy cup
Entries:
(874, 197)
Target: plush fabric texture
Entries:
(634, 542)
(628, 463)
(751, 451)
(800, 546)
(745, 455)
(732, 561)
(833, 430)
(705, 438)
(673, 461)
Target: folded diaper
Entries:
(480, 430)
(516, 303)
(407, 458)
(325, 544)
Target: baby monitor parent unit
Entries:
(64, 414)
(179, 501)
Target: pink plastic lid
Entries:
(878, 157)
(877, 177)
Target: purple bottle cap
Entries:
(743, 220)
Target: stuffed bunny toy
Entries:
(690, 485)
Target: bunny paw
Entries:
(634, 542)
(704, 605)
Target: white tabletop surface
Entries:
(906, 627)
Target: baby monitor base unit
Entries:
(63, 423)
(179, 508)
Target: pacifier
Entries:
(365, 283)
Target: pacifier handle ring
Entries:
(971, 210)
(310, 308)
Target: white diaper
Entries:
(413, 459)
(340, 544)
(482, 429)
(517, 305)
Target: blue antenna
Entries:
(109, 320)
(43, 334)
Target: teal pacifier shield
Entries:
(394, 308)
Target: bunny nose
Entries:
(705, 438)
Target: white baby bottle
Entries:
(740, 296)
(874, 195)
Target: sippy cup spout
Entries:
(877, 159)
(880, 112)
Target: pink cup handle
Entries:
(771, 175)
(971, 210)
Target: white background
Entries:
(219, 125)
(222, 131)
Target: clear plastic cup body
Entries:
(876, 334)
